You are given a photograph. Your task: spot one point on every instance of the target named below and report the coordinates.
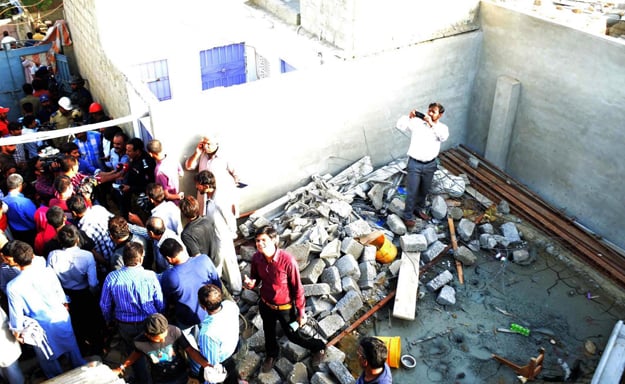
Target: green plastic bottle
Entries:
(519, 329)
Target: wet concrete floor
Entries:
(567, 309)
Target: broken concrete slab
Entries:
(348, 266)
(350, 246)
(430, 234)
(510, 232)
(357, 229)
(332, 277)
(318, 289)
(433, 250)
(328, 326)
(311, 274)
(396, 224)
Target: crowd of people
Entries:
(97, 240)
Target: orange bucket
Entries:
(393, 346)
(386, 250)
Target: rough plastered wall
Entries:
(104, 80)
(279, 131)
(567, 141)
(362, 27)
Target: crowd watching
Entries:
(98, 243)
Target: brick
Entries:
(357, 228)
(348, 266)
(349, 305)
(438, 208)
(294, 352)
(367, 275)
(329, 325)
(311, 274)
(298, 375)
(248, 364)
(341, 373)
(433, 250)
(415, 242)
(316, 289)
(283, 366)
(331, 250)
(439, 281)
(332, 277)
(447, 296)
(351, 247)
(396, 224)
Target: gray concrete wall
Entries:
(279, 131)
(568, 136)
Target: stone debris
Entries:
(325, 225)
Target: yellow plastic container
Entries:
(393, 346)
(387, 252)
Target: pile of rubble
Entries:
(327, 226)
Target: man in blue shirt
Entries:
(21, 213)
(129, 296)
(372, 355)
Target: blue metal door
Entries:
(223, 66)
(63, 75)
(155, 75)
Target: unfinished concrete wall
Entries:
(568, 135)
(364, 27)
(281, 130)
(104, 80)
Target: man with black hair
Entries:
(426, 135)
(140, 173)
(76, 270)
(372, 355)
(219, 332)
(166, 210)
(37, 294)
(164, 346)
(29, 98)
(94, 221)
(129, 296)
(121, 235)
(21, 213)
(281, 297)
(158, 232)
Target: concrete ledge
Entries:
(287, 12)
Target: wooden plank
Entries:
(407, 285)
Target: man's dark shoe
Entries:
(423, 215)
(267, 365)
(409, 223)
(317, 359)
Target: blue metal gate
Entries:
(63, 75)
(155, 75)
(223, 66)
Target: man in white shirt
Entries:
(426, 135)
(7, 41)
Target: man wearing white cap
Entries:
(62, 118)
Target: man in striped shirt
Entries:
(129, 296)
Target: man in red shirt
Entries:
(281, 297)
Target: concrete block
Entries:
(487, 228)
(249, 296)
(396, 224)
(298, 375)
(246, 252)
(318, 235)
(329, 325)
(397, 206)
(376, 195)
(256, 342)
(332, 277)
(487, 241)
(439, 281)
(438, 208)
(318, 305)
(447, 296)
(432, 251)
(465, 255)
(394, 267)
(502, 240)
(341, 208)
(349, 305)
(321, 378)
(414, 242)
(367, 275)
(260, 222)
(430, 234)
(283, 366)
(510, 231)
(334, 354)
(318, 289)
(352, 247)
(348, 266)
(456, 213)
(271, 377)
(248, 365)
(503, 207)
(349, 284)
(465, 229)
(257, 321)
(294, 352)
(474, 245)
(300, 252)
(521, 257)
(331, 250)
(340, 371)
(311, 274)
(357, 229)
(368, 254)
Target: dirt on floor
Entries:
(569, 310)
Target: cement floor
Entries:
(557, 299)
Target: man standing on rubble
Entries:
(426, 135)
(281, 297)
